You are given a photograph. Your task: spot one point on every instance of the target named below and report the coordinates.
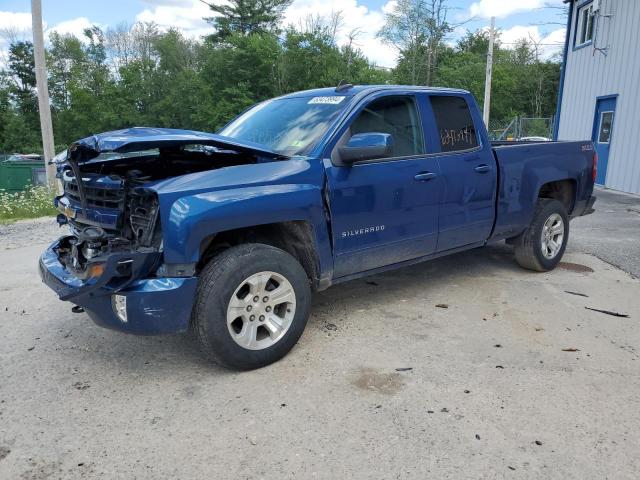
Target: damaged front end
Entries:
(111, 262)
(106, 215)
(107, 264)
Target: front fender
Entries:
(192, 218)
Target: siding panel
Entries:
(590, 74)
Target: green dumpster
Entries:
(19, 172)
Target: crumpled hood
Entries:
(145, 138)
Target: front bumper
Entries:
(154, 305)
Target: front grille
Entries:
(114, 204)
(97, 197)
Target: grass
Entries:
(33, 202)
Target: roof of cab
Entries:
(356, 89)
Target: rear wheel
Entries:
(541, 246)
(252, 306)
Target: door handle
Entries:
(425, 176)
(482, 168)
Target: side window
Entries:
(397, 116)
(454, 123)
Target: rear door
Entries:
(602, 134)
(384, 211)
(468, 171)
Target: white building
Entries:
(599, 95)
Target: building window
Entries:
(606, 122)
(584, 27)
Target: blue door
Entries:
(603, 134)
(384, 210)
(469, 175)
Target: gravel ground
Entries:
(29, 232)
(612, 233)
(510, 377)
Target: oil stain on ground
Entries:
(575, 267)
(386, 383)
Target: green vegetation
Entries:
(32, 203)
(523, 82)
(137, 75)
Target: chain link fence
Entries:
(521, 127)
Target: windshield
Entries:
(290, 126)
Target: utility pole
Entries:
(43, 91)
(487, 80)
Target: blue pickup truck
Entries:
(228, 234)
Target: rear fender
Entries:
(525, 169)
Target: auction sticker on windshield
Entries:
(325, 100)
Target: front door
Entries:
(384, 211)
(602, 134)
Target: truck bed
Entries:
(524, 167)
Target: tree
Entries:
(437, 29)
(65, 59)
(22, 72)
(19, 103)
(523, 83)
(311, 57)
(176, 82)
(417, 29)
(18, 132)
(137, 75)
(245, 17)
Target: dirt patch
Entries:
(42, 471)
(386, 383)
(4, 451)
(575, 267)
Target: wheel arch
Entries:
(291, 217)
(562, 190)
(296, 237)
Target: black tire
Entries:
(217, 283)
(528, 245)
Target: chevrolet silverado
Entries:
(228, 234)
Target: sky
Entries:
(539, 20)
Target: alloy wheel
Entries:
(261, 310)
(552, 236)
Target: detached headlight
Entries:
(119, 303)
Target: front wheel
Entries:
(541, 246)
(252, 305)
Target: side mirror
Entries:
(366, 146)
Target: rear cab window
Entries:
(456, 130)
